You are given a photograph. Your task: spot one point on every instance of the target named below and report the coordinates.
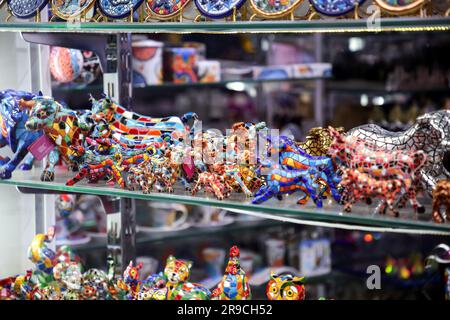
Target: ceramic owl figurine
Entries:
(285, 287)
(234, 284)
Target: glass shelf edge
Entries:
(299, 26)
(274, 212)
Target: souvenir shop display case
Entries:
(359, 95)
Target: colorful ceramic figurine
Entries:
(234, 284)
(318, 141)
(281, 181)
(441, 199)
(63, 126)
(389, 171)
(177, 274)
(14, 133)
(40, 254)
(430, 133)
(285, 287)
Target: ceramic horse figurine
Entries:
(430, 133)
(14, 133)
(63, 126)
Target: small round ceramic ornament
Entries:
(25, 9)
(217, 9)
(65, 64)
(335, 8)
(73, 65)
(69, 9)
(400, 7)
(272, 9)
(118, 9)
(165, 9)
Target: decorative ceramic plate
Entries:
(399, 6)
(217, 9)
(166, 9)
(118, 9)
(66, 9)
(25, 9)
(335, 7)
(274, 8)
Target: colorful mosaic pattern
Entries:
(285, 287)
(177, 273)
(70, 8)
(234, 284)
(441, 201)
(166, 8)
(118, 9)
(335, 7)
(217, 9)
(25, 9)
(275, 7)
(14, 133)
(430, 133)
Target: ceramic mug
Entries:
(147, 62)
(165, 216)
(211, 216)
(214, 259)
(275, 251)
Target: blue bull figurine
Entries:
(13, 132)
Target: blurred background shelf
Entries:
(361, 218)
(299, 26)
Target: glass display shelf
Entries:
(296, 26)
(362, 216)
(166, 85)
(98, 241)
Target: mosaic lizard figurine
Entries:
(441, 199)
(234, 284)
(285, 181)
(14, 133)
(177, 273)
(285, 287)
(63, 126)
(123, 121)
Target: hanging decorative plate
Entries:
(166, 9)
(68, 9)
(118, 9)
(335, 7)
(25, 9)
(274, 8)
(217, 9)
(400, 6)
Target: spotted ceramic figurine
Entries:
(234, 284)
(179, 288)
(441, 200)
(285, 287)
